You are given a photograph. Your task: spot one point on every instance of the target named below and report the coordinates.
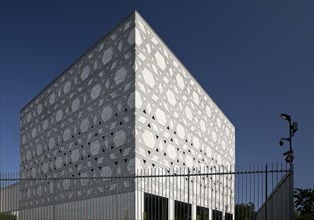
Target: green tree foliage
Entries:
(126, 215)
(144, 216)
(245, 211)
(304, 204)
(7, 216)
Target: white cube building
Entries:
(127, 104)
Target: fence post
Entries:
(291, 192)
(54, 200)
(266, 192)
(188, 193)
(117, 182)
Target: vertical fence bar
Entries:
(237, 180)
(281, 198)
(161, 205)
(117, 191)
(251, 202)
(4, 192)
(242, 192)
(272, 188)
(146, 191)
(228, 200)
(219, 192)
(143, 191)
(254, 187)
(246, 207)
(251, 193)
(150, 189)
(155, 196)
(8, 193)
(223, 189)
(157, 193)
(136, 188)
(188, 178)
(266, 192)
(166, 195)
(53, 199)
(174, 190)
(198, 184)
(204, 194)
(258, 188)
(291, 191)
(208, 191)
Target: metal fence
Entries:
(216, 193)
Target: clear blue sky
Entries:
(254, 58)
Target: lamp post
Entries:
(293, 127)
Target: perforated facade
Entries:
(127, 104)
(177, 123)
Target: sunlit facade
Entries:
(126, 105)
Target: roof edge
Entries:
(133, 13)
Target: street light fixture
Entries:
(293, 127)
(286, 117)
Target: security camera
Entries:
(289, 158)
(294, 128)
(288, 152)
